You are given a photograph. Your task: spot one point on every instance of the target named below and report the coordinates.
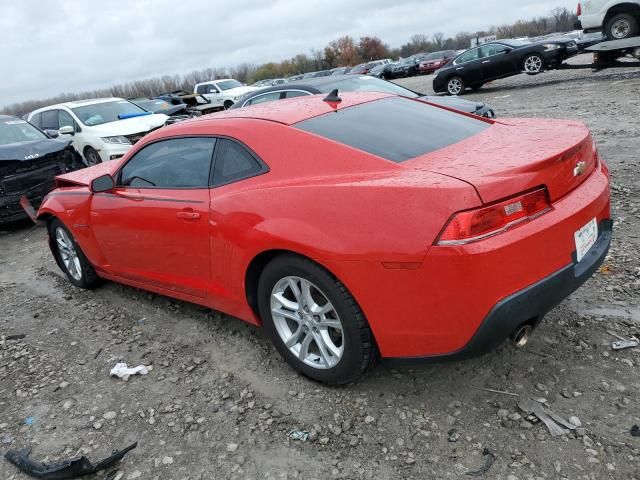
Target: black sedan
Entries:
(505, 58)
(29, 161)
(354, 83)
(407, 67)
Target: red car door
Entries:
(154, 226)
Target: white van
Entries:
(102, 129)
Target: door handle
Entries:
(487, 61)
(188, 214)
(460, 68)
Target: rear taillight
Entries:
(473, 225)
(579, 10)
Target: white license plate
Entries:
(585, 238)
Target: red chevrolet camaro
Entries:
(371, 226)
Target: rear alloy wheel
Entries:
(91, 156)
(455, 86)
(533, 64)
(70, 257)
(621, 26)
(313, 321)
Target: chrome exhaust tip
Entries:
(521, 336)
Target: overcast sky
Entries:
(73, 45)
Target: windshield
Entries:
(228, 84)
(366, 84)
(154, 106)
(16, 131)
(106, 112)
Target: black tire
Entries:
(622, 25)
(91, 156)
(455, 86)
(87, 278)
(359, 349)
(228, 104)
(533, 64)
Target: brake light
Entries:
(579, 10)
(473, 225)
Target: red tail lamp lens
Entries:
(474, 225)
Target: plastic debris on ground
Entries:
(123, 371)
(489, 458)
(624, 344)
(554, 422)
(300, 435)
(64, 469)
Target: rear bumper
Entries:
(531, 304)
(438, 308)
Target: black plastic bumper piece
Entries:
(529, 305)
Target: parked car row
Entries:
(356, 83)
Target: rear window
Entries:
(394, 128)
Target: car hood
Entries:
(32, 149)
(234, 92)
(130, 126)
(84, 176)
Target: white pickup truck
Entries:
(224, 92)
(616, 19)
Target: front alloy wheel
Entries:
(533, 64)
(70, 256)
(455, 86)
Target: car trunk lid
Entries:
(514, 156)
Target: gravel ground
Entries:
(219, 402)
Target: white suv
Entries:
(616, 19)
(223, 93)
(102, 129)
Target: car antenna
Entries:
(333, 99)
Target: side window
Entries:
(175, 163)
(65, 119)
(202, 89)
(267, 97)
(36, 120)
(296, 93)
(50, 120)
(234, 162)
(469, 56)
(491, 50)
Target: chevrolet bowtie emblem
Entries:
(580, 168)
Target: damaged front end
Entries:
(32, 178)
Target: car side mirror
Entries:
(103, 183)
(52, 133)
(67, 130)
